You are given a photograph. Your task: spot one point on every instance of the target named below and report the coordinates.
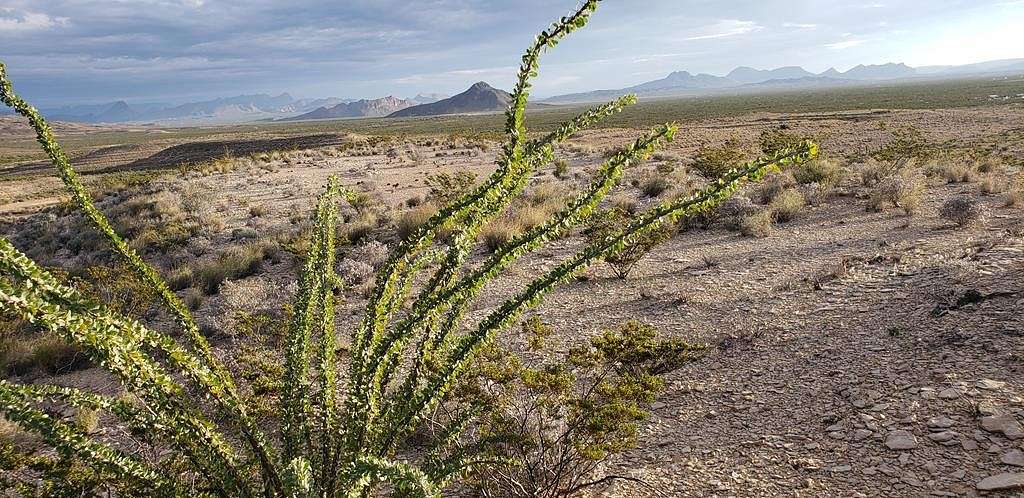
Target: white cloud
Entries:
(724, 28)
(844, 44)
(29, 21)
(797, 25)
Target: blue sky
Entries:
(81, 51)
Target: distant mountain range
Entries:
(374, 108)
(746, 79)
(241, 108)
(480, 97)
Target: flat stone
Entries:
(943, 436)
(989, 384)
(940, 422)
(986, 408)
(1007, 425)
(1002, 482)
(1015, 458)
(969, 444)
(901, 440)
(949, 393)
(861, 434)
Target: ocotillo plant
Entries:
(338, 435)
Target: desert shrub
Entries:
(950, 171)
(734, 210)
(758, 224)
(773, 185)
(904, 190)
(872, 172)
(234, 263)
(825, 172)
(908, 142)
(411, 220)
(1012, 198)
(990, 165)
(561, 169)
(991, 185)
(787, 205)
(963, 211)
(354, 271)
(181, 278)
(373, 253)
(608, 222)
(427, 318)
(625, 203)
(715, 162)
(499, 233)
(654, 186)
(55, 356)
(118, 287)
(554, 424)
(258, 210)
(447, 187)
(773, 140)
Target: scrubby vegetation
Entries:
(195, 423)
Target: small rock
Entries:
(901, 440)
(1015, 458)
(940, 422)
(861, 434)
(949, 393)
(1002, 482)
(834, 428)
(658, 405)
(1005, 424)
(842, 468)
(989, 384)
(943, 436)
(969, 444)
(986, 408)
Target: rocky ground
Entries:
(853, 353)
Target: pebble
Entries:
(949, 393)
(901, 440)
(943, 436)
(861, 434)
(940, 422)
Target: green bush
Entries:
(234, 263)
(569, 414)
(715, 162)
(561, 169)
(825, 172)
(196, 430)
(758, 224)
(622, 260)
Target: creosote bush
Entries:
(715, 162)
(904, 190)
(608, 222)
(195, 427)
(787, 205)
(551, 425)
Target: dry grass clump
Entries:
(873, 172)
(561, 170)
(963, 211)
(653, 186)
(785, 206)
(499, 232)
(22, 354)
(412, 219)
(826, 172)
(773, 185)
(904, 190)
(234, 263)
(734, 210)
(757, 224)
(950, 170)
(992, 185)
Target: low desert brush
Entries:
(963, 211)
(194, 433)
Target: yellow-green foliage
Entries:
(411, 348)
(551, 425)
(715, 162)
(787, 205)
